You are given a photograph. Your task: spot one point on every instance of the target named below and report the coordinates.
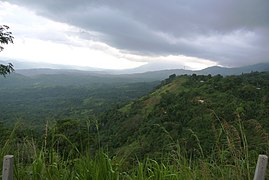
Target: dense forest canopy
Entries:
(197, 105)
(179, 106)
(207, 119)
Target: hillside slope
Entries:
(196, 112)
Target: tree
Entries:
(5, 38)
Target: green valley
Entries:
(184, 127)
(37, 99)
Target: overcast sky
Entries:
(126, 33)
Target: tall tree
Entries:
(5, 38)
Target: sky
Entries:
(124, 34)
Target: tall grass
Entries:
(230, 159)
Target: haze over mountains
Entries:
(29, 74)
(33, 68)
(142, 72)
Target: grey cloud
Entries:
(157, 27)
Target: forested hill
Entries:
(188, 127)
(199, 113)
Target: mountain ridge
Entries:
(150, 75)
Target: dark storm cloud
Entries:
(231, 32)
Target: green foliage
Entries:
(5, 38)
(191, 127)
(6, 69)
(59, 97)
(186, 108)
(46, 161)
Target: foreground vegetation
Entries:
(189, 127)
(49, 160)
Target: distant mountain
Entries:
(48, 71)
(214, 70)
(132, 73)
(149, 67)
(158, 75)
(18, 64)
